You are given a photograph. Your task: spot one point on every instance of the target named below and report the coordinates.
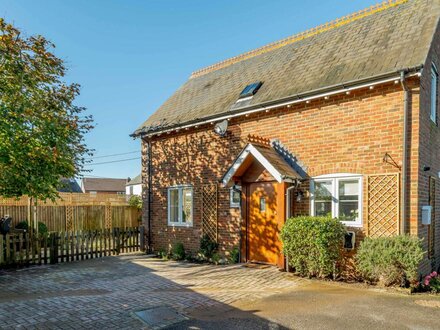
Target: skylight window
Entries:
(250, 90)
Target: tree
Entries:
(41, 129)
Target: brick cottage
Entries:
(339, 120)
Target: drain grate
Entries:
(160, 317)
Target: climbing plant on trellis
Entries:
(383, 205)
(209, 210)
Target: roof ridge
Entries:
(301, 36)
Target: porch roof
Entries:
(267, 156)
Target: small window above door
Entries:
(262, 204)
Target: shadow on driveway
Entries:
(107, 293)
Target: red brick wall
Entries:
(346, 133)
(429, 153)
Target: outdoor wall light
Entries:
(299, 195)
(426, 168)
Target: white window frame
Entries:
(434, 93)
(335, 178)
(180, 223)
(233, 205)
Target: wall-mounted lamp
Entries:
(426, 168)
(299, 195)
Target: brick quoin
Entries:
(343, 134)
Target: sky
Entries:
(129, 56)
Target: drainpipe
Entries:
(150, 194)
(405, 151)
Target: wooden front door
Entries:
(263, 232)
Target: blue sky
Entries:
(130, 55)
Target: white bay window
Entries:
(338, 196)
(180, 206)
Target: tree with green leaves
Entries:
(41, 129)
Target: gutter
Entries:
(404, 153)
(294, 99)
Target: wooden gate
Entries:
(209, 210)
(383, 204)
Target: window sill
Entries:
(352, 224)
(182, 225)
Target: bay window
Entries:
(338, 196)
(180, 206)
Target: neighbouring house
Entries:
(69, 186)
(339, 120)
(103, 186)
(134, 186)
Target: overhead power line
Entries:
(114, 161)
(113, 155)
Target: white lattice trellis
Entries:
(383, 202)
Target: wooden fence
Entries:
(23, 249)
(75, 211)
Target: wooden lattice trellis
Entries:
(69, 217)
(108, 216)
(209, 210)
(383, 205)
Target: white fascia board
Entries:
(267, 165)
(251, 150)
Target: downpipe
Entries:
(405, 152)
(150, 195)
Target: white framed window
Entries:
(339, 196)
(434, 93)
(180, 206)
(235, 198)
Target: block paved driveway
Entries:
(104, 293)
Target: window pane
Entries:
(174, 205)
(235, 197)
(323, 191)
(323, 198)
(323, 209)
(187, 205)
(348, 199)
(262, 204)
(434, 79)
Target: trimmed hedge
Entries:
(390, 260)
(313, 245)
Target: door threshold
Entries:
(258, 265)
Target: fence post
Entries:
(52, 248)
(2, 251)
(142, 238)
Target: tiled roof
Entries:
(69, 185)
(136, 180)
(103, 184)
(382, 42)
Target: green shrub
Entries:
(42, 228)
(135, 201)
(390, 260)
(162, 253)
(207, 247)
(313, 245)
(216, 258)
(234, 257)
(178, 251)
